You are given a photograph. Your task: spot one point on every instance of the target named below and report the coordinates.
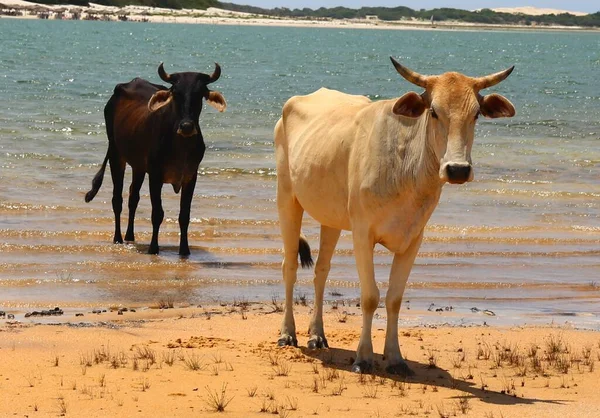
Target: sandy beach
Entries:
(193, 361)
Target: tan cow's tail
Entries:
(306, 260)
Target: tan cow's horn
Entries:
(216, 74)
(410, 75)
(492, 79)
(163, 74)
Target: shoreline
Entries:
(192, 18)
(171, 362)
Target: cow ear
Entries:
(159, 99)
(410, 105)
(216, 100)
(496, 106)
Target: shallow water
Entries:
(522, 240)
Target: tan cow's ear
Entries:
(496, 106)
(410, 105)
(216, 100)
(159, 99)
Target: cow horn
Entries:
(492, 79)
(409, 75)
(163, 74)
(216, 74)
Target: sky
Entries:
(589, 6)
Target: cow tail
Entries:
(97, 181)
(304, 251)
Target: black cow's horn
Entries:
(163, 74)
(216, 74)
(492, 79)
(410, 75)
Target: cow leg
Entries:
(369, 300)
(329, 239)
(117, 172)
(184, 215)
(134, 198)
(290, 221)
(158, 213)
(400, 271)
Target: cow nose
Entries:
(186, 127)
(458, 174)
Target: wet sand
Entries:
(142, 364)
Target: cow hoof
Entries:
(184, 253)
(153, 250)
(400, 369)
(317, 342)
(362, 367)
(287, 340)
(118, 241)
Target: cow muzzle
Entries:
(457, 173)
(187, 129)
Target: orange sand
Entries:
(140, 364)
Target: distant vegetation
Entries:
(484, 16)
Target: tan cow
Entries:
(376, 169)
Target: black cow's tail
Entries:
(97, 181)
(304, 251)
(108, 117)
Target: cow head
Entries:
(186, 94)
(453, 103)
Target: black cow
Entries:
(155, 130)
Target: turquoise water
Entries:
(522, 240)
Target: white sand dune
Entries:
(535, 11)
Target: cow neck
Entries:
(419, 146)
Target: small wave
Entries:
(537, 193)
(34, 156)
(259, 171)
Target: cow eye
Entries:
(433, 114)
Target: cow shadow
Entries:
(342, 359)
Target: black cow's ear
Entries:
(159, 99)
(410, 105)
(216, 100)
(496, 106)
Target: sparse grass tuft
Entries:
(463, 404)
(252, 391)
(442, 411)
(168, 357)
(315, 385)
(282, 368)
(62, 406)
(194, 362)
(144, 384)
(339, 388)
(166, 303)
(292, 403)
(146, 353)
(273, 359)
(331, 374)
(432, 358)
(216, 400)
(275, 305)
(215, 369)
(554, 346)
(370, 391)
